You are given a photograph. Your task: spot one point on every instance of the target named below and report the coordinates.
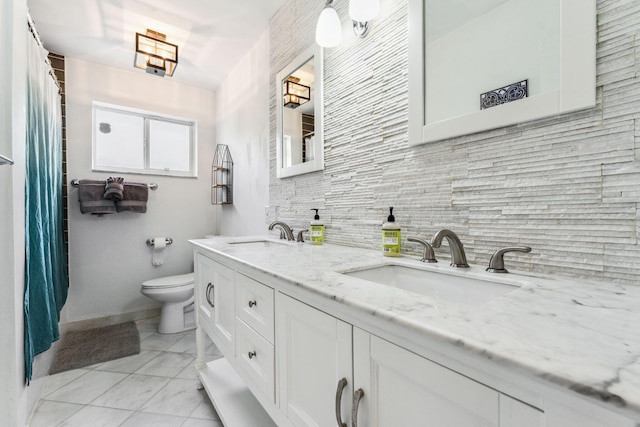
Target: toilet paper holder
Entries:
(151, 242)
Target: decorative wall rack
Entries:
(222, 176)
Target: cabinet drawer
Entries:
(256, 358)
(254, 305)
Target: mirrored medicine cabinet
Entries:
(532, 59)
(299, 115)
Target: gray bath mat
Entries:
(83, 348)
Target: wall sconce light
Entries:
(155, 55)
(361, 12)
(329, 30)
(294, 93)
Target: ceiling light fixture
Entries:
(295, 94)
(329, 29)
(155, 55)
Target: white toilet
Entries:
(176, 294)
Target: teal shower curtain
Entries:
(46, 279)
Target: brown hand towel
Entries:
(114, 188)
(91, 198)
(134, 199)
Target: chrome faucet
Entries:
(288, 232)
(458, 258)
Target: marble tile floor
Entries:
(154, 388)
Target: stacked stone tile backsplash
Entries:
(568, 186)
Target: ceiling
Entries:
(212, 35)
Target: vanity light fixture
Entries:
(155, 55)
(329, 30)
(295, 94)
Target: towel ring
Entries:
(151, 242)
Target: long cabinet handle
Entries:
(207, 294)
(341, 385)
(356, 401)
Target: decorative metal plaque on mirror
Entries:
(509, 93)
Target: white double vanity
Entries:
(307, 345)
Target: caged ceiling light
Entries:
(155, 55)
(294, 93)
(329, 29)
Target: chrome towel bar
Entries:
(151, 242)
(5, 160)
(151, 185)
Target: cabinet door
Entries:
(314, 353)
(216, 303)
(404, 389)
(514, 413)
(204, 292)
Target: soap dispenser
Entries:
(316, 229)
(391, 236)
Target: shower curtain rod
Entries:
(36, 36)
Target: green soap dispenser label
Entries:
(316, 229)
(317, 234)
(391, 242)
(390, 236)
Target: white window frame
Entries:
(147, 116)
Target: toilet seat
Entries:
(169, 282)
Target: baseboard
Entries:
(97, 322)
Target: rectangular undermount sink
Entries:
(439, 285)
(258, 243)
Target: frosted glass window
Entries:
(135, 141)
(169, 146)
(118, 140)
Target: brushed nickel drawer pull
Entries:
(356, 401)
(341, 385)
(208, 295)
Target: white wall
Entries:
(243, 124)
(13, 394)
(108, 257)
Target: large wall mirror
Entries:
(299, 115)
(476, 65)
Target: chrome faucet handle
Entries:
(496, 263)
(300, 238)
(429, 255)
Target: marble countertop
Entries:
(577, 334)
